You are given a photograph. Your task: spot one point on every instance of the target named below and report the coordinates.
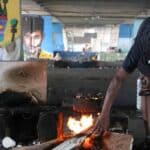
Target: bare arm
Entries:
(102, 122)
(113, 89)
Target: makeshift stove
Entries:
(84, 112)
(74, 124)
(72, 134)
(80, 117)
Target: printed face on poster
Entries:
(33, 36)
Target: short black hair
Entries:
(32, 24)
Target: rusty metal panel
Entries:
(28, 77)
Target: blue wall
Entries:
(125, 37)
(125, 30)
(127, 33)
(47, 41)
(136, 26)
(51, 42)
(58, 41)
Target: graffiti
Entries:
(10, 41)
(3, 18)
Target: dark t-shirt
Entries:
(139, 54)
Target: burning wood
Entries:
(71, 143)
(108, 141)
(81, 141)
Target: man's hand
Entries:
(101, 125)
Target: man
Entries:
(32, 37)
(138, 57)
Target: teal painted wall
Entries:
(125, 37)
(53, 36)
(127, 34)
(136, 26)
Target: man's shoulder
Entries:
(45, 54)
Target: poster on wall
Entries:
(10, 42)
(33, 36)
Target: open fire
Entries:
(72, 129)
(80, 124)
(83, 123)
(76, 138)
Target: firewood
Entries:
(71, 143)
(42, 146)
(46, 145)
(109, 141)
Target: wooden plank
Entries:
(71, 143)
(117, 141)
(43, 146)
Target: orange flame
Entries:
(88, 143)
(78, 126)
